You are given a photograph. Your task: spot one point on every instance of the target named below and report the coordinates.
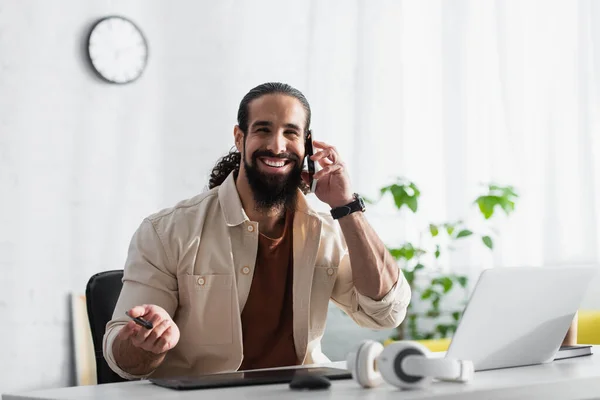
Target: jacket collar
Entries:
(231, 204)
(233, 211)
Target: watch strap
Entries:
(357, 205)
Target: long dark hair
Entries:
(231, 162)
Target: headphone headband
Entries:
(404, 364)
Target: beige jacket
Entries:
(196, 261)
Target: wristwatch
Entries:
(357, 205)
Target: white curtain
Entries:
(453, 94)
(459, 93)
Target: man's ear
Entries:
(238, 136)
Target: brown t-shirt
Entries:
(267, 318)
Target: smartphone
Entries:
(140, 321)
(310, 164)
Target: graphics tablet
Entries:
(246, 378)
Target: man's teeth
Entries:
(274, 163)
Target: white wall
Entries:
(82, 161)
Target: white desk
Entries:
(575, 378)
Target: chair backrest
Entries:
(102, 293)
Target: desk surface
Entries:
(574, 378)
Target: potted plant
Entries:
(430, 282)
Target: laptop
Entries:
(519, 316)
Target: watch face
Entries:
(363, 206)
(117, 50)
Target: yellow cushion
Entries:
(436, 344)
(432, 344)
(588, 327)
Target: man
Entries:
(240, 277)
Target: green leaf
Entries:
(434, 230)
(432, 314)
(488, 242)
(404, 194)
(437, 251)
(442, 329)
(411, 203)
(462, 281)
(486, 205)
(444, 281)
(416, 191)
(418, 267)
(399, 195)
(464, 233)
(447, 283)
(410, 277)
(427, 293)
(503, 191)
(449, 228)
(435, 303)
(397, 254)
(502, 196)
(406, 252)
(456, 315)
(427, 336)
(507, 205)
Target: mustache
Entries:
(267, 153)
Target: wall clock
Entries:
(117, 50)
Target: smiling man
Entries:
(240, 277)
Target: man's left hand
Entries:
(333, 186)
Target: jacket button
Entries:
(246, 270)
(250, 228)
(330, 271)
(201, 281)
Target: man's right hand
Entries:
(163, 336)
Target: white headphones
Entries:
(404, 364)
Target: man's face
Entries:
(273, 149)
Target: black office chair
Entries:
(101, 295)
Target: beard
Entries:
(273, 191)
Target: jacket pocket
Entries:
(206, 309)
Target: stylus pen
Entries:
(140, 321)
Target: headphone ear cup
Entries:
(390, 363)
(362, 364)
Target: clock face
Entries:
(117, 50)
